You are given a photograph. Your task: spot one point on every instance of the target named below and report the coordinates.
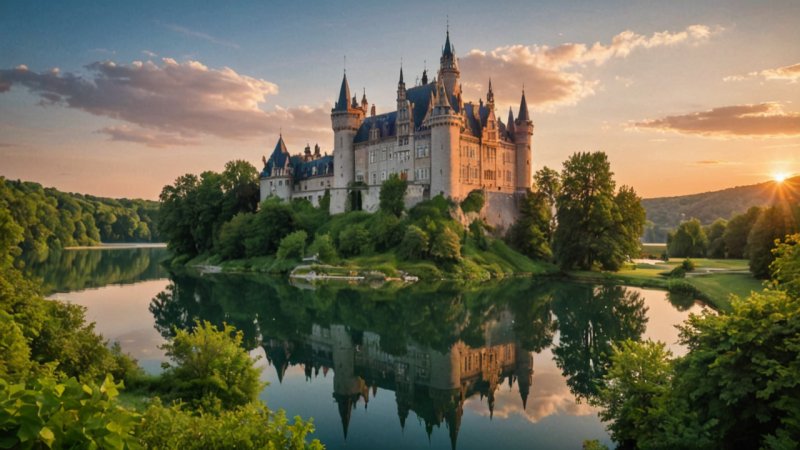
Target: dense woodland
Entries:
(52, 219)
(666, 213)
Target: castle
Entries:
(434, 140)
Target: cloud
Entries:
(553, 72)
(785, 73)
(149, 54)
(757, 120)
(199, 35)
(174, 103)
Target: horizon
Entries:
(119, 100)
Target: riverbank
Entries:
(713, 280)
(496, 262)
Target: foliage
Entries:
(742, 372)
(231, 241)
(773, 224)
(446, 246)
(274, 220)
(477, 232)
(49, 219)
(385, 230)
(193, 209)
(415, 243)
(66, 414)
(595, 226)
(210, 365)
(689, 240)
(354, 241)
(248, 426)
(392, 195)
(323, 248)
(473, 202)
(293, 245)
(530, 234)
(639, 379)
(688, 265)
(15, 363)
(716, 241)
(737, 230)
(785, 269)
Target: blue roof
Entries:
(319, 167)
(385, 123)
(278, 158)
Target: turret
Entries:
(448, 67)
(364, 102)
(490, 127)
(523, 132)
(346, 118)
(445, 124)
(404, 121)
(401, 87)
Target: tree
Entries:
(592, 226)
(548, 182)
(735, 235)
(414, 244)
(530, 234)
(639, 377)
(689, 240)
(272, 222)
(446, 246)
(231, 241)
(210, 365)
(385, 229)
(474, 201)
(392, 195)
(177, 218)
(773, 224)
(239, 181)
(354, 241)
(323, 248)
(293, 245)
(785, 269)
(741, 374)
(716, 241)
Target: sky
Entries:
(120, 98)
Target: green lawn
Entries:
(718, 287)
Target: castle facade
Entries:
(433, 139)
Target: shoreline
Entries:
(118, 246)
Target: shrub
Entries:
(210, 365)
(473, 202)
(323, 248)
(392, 195)
(354, 241)
(446, 246)
(688, 265)
(293, 245)
(414, 244)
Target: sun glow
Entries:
(780, 177)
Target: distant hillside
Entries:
(667, 212)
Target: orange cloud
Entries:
(553, 71)
(758, 120)
(785, 73)
(173, 104)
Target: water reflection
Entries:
(74, 270)
(436, 346)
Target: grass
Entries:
(719, 287)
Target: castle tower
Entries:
(523, 132)
(445, 124)
(404, 121)
(490, 129)
(448, 68)
(276, 178)
(345, 119)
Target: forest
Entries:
(52, 219)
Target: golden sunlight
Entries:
(780, 177)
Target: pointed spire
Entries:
(344, 96)
(448, 49)
(523, 115)
(401, 74)
(510, 124)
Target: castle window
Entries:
(383, 175)
(374, 178)
(371, 157)
(280, 182)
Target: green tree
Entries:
(293, 245)
(548, 182)
(210, 365)
(231, 241)
(530, 234)
(415, 243)
(639, 377)
(773, 224)
(354, 241)
(735, 235)
(239, 181)
(446, 246)
(592, 226)
(323, 248)
(716, 241)
(272, 222)
(392, 195)
(785, 269)
(688, 240)
(474, 201)
(742, 371)
(176, 220)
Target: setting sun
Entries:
(780, 177)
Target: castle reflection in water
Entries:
(432, 384)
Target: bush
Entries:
(688, 265)
(677, 272)
(65, 414)
(414, 244)
(323, 248)
(249, 426)
(354, 241)
(446, 246)
(210, 366)
(392, 195)
(386, 230)
(292, 246)
(473, 202)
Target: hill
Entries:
(667, 212)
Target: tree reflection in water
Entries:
(434, 345)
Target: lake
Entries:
(434, 365)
